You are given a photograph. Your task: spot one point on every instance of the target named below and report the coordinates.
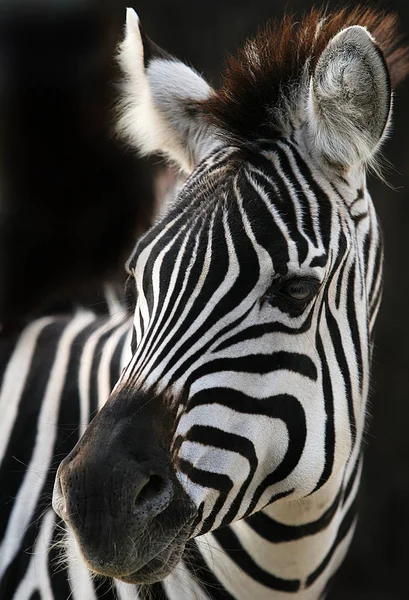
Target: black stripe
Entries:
(352, 479)
(115, 363)
(302, 200)
(301, 196)
(377, 268)
(217, 270)
(284, 407)
(264, 227)
(256, 331)
(239, 555)
(258, 363)
(152, 592)
(344, 368)
(22, 440)
(277, 533)
(339, 283)
(285, 207)
(185, 366)
(203, 574)
(329, 410)
(354, 328)
(326, 375)
(366, 247)
(198, 233)
(58, 573)
(96, 360)
(104, 588)
(319, 261)
(216, 481)
(211, 436)
(375, 301)
(324, 203)
(343, 530)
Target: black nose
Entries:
(128, 490)
(109, 502)
(118, 493)
(118, 488)
(113, 488)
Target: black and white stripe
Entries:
(215, 345)
(55, 375)
(255, 297)
(67, 366)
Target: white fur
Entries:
(153, 111)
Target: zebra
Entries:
(226, 461)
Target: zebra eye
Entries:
(300, 291)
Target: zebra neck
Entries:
(289, 548)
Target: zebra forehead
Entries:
(255, 192)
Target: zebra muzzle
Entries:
(118, 493)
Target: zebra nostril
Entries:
(153, 491)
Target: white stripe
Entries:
(158, 324)
(15, 378)
(194, 295)
(155, 282)
(104, 374)
(84, 375)
(79, 577)
(113, 298)
(126, 591)
(37, 576)
(181, 585)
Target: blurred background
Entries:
(72, 200)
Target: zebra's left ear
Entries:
(159, 111)
(349, 98)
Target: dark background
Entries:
(78, 179)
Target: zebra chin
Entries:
(137, 553)
(137, 569)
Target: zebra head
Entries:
(254, 295)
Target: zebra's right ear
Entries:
(159, 110)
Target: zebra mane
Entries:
(272, 70)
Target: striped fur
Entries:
(265, 391)
(93, 351)
(273, 402)
(54, 376)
